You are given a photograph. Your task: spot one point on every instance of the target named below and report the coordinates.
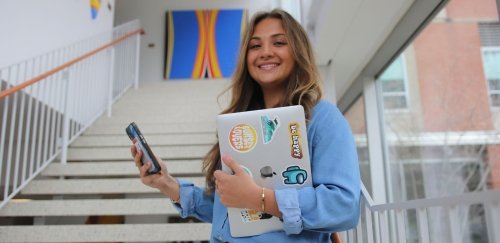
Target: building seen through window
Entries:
(440, 109)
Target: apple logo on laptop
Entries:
(267, 171)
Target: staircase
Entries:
(98, 197)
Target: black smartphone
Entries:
(147, 155)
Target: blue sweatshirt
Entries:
(310, 214)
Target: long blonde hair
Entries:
(303, 86)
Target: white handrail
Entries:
(374, 225)
(47, 101)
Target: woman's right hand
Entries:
(162, 180)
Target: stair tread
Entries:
(123, 153)
(125, 168)
(113, 126)
(107, 233)
(82, 207)
(121, 140)
(94, 186)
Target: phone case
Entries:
(147, 155)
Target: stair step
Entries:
(94, 186)
(202, 113)
(157, 108)
(107, 233)
(177, 119)
(106, 126)
(124, 168)
(120, 140)
(83, 207)
(174, 91)
(123, 153)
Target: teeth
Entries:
(268, 66)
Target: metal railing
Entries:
(391, 222)
(46, 102)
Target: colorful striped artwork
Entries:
(202, 43)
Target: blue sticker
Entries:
(269, 128)
(294, 175)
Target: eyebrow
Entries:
(272, 36)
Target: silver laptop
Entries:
(271, 145)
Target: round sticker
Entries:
(243, 138)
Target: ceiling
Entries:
(358, 38)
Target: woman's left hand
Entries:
(237, 190)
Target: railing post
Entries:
(376, 226)
(492, 215)
(67, 119)
(369, 223)
(350, 235)
(455, 232)
(401, 226)
(384, 226)
(137, 60)
(359, 232)
(423, 225)
(111, 79)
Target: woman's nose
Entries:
(266, 51)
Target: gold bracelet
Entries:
(263, 197)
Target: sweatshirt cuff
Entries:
(288, 204)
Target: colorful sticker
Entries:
(294, 175)
(243, 138)
(269, 128)
(293, 129)
(251, 215)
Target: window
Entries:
(491, 64)
(490, 48)
(394, 86)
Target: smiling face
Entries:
(269, 56)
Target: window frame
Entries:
(486, 79)
(404, 93)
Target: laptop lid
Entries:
(271, 145)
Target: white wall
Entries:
(328, 79)
(32, 27)
(151, 13)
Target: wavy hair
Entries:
(302, 88)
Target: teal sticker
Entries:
(294, 175)
(269, 128)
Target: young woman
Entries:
(276, 68)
